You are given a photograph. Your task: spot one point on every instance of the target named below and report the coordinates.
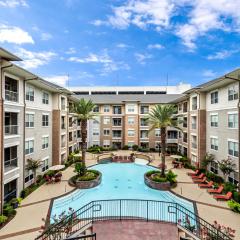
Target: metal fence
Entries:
(122, 209)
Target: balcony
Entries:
(116, 134)
(143, 122)
(117, 110)
(194, 145)
(10, 164)
(11, 89)
(117, 122)
(11, 130)
(10, 190)
(143, 134)
(144, 110)
(11, 96)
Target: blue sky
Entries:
(116, 42)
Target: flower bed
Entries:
(90, 179)
(153, 179)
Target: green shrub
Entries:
(3, 219)
(158, 178)
(50, 173)
(143, 149)
(236, 196)
(189, 166)
(77, 159)
(235, 207)
(149, 173)
(88, 176)
(213, 177)
(25, 192)
(135, 147)
(125, 147)
(171, 177)
(8, 210)
(152, 150)
(229, 187)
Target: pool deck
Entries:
(27, 222)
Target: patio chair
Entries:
(193, 173)
(198, 177)
(115, 158)
(203, 180)
(57, 179)
(216, 191)
(48, 179)
(125, 158)
(120, 158)
(225, 197)
(206, 185)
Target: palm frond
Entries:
(84, 109)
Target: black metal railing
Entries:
(120, 209)
(85, 237)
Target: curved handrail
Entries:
(118, 209)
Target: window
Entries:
(95, 121)
(194, 141)
(96, 109)
(106, 108)
(171, 134)
(185, 137)
(106, 132)
(117, 110)
(180, 107)
(106, 143)
(214, 143)
(28, 176)
(214, 120)
(95, 133)
(185, 107)
(117, 121)
(144, 109)
(45, 98)
(194, 122)
(232, 93)
(233, 120)
(214, 97)
(131, 120)
(29, 121)
(194, 103)
(185, 122)
(143, 122)
(45, 163)
(130, 108)
(29, 147)
(131, 133)
(157, 132)
(214, 167)
(233, 178)
(29, 93)
(117, 133)
(143, 134)
(233, 148)
(96, 143)
(45, 142)
(45, 120)
(63, 103)
(106, 120)
(194, 158)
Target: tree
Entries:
(208, 158)
(33, 165)
(162, 116)
(227, 166)
(84, 111)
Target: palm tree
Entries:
(84, 110)
(33, 165)
(162, 116)
(227, 166)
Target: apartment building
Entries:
(209, 115)
(121, 120)
(34, 116)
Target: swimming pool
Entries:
(119, 181)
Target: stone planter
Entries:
(85, 184)
(164, 186)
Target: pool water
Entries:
(119, 181)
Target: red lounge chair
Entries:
(198, 177)
(206, 185)
(48, 179)
(193, 173)
(115, 158)
(120, 158)
(200, 180)
(125, 158)
(226, 197)
(218, 191)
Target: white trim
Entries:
(45, 158)
(232, 140)
(235, 112)
(11, 110)
(14, 104)
(44, 113)
(11, 171)
(29, 139)
(44, 136)
(12, 144)
(33, 113)
(220, 109)
(213, 114)
(214, 137)
(11, 136)
(12, 178)
(194, 134)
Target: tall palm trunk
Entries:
(163, 150)
(84, 138)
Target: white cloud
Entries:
(222, 54)
(99, 22)
(141, 58)
(34, 59)
(108, 64)
(122, 45)
(61, 80)
(13, 3)
(12, 34)
(46, 36)
(71, 50)
(83, 75)
(155, 46)
(209, 74)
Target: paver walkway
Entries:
(134, 230)
(35, 206)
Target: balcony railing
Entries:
(10, 164)
(117, 135)
(10, 195)
(11, 96)
(194, 145)
(11, 129)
